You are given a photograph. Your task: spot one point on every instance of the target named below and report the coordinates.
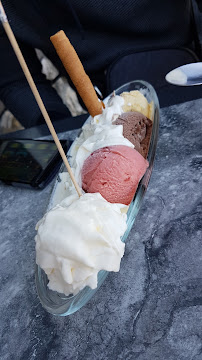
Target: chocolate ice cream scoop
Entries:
(137, 129)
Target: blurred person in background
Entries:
(117, 41)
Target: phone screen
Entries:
(25, 161)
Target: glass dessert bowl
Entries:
(60, 304)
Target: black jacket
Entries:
(100, 31)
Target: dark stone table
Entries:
(152, 308)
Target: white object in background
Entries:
(186, 75)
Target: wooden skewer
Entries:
(36, 94)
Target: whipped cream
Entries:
(77, 239)
(64, 188)
(111, 111)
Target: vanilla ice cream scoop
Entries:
(77, 239)
(136, 101)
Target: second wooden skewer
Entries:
(36, 94)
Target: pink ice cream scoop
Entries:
(114, 172)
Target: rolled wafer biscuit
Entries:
(74, 68)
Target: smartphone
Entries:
(29, 163)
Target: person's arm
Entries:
(15, 91)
